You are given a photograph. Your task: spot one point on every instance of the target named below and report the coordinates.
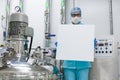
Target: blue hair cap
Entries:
(76, 10)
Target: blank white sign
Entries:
(75, 42)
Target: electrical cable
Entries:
(30, 48)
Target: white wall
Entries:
(97, 12)
(93, 12)
(35, 11)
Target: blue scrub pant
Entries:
(76, 74)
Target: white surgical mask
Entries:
(76, 20)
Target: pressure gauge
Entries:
(17, 9)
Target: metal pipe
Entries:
(111, 17)
(73, 3)
(63, 12)
(50, 11)
(7, 16)
(47, 23)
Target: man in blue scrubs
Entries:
(76, 70)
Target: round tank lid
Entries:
(19, 17)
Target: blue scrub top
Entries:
(76, 64)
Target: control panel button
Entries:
(110, 44)
(106, 51)
(110, 51)
(106, 44)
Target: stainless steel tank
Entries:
(16, 33)
(26, 72)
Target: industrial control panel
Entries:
(105, 65)
(104, 47)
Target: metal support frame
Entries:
(111, 17)
(73, 3)
(63, 11)
(47, 22)
(7, 16)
